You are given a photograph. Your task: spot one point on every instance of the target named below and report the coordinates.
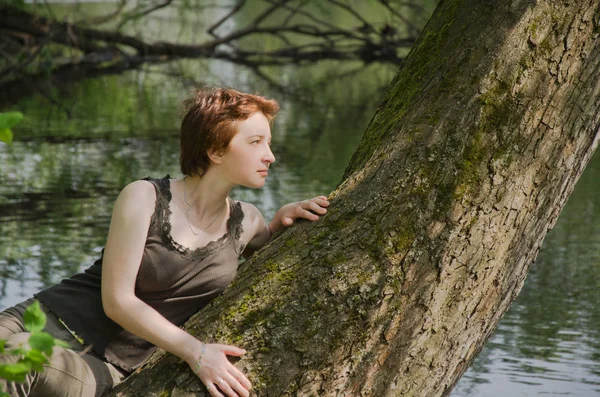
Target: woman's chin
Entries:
(254, 184)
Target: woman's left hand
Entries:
(308, 209)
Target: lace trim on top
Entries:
(163, 223)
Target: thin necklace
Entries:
(189, 207)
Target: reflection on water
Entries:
(59, 180)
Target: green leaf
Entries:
(15, 372)
(34, 318)
(37, 367)
(61, 343)
(18, 351)
(42, 341)
(2, 343)
(10, 119)
(6, 135)
(3, 394)
(36, 356)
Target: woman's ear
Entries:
(216, 157)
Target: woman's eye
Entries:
(254, 142)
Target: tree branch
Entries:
(136, 15)
(328, 40)
(318, 20)
(412, 27)
(233, 11)
(351, 11)
(104, 18)
(21, 65)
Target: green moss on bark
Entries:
(422, 59)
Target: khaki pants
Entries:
(69, 372)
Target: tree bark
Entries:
(463, 169)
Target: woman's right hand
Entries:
(215, 370)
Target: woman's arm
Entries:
(122, 257)
(284, 217)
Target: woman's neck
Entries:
(206, 195)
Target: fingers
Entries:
(235, 378)
(312, 205)
(316, 207)
(232, 350)
(240, 377)
(228, 390)
(233, 383)
(212, 389)
(307, 209)
(304, 213)
(322, 201)
(221, 378)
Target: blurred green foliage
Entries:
(33, 357)
(7, 121)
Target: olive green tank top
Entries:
(174, 280)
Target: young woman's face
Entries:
(249, 154)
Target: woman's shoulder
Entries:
(147, 187)
(250, 210)
(137, 196)
(140, 189)
(253, 221)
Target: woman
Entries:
(173, 246)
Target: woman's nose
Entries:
(270, 157)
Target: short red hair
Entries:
(210, 122)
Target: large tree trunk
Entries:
(463, 169)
